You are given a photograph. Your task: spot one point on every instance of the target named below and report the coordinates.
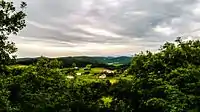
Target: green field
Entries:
(19, 66)
(92, 71)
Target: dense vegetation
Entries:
(82, 61)
(166, 81)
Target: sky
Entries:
(104, 27)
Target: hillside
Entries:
(118, 60)
(82, 61)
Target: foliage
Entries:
(123, 62)
(176, 66)
(11, 22)
(156, 85)
(166, 81)
(88, 66)
(73, 65)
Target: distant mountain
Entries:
(82, 61)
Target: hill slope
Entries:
(82, 61)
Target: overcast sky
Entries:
(104, 27)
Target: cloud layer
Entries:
(104, 27)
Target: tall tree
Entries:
(11, 22)
(171, 74)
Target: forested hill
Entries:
(117, 60)
(83, 60)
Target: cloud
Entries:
(164, 30)
(42, 26)
(96, 31)
(105, 27)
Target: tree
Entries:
(73, 65)
(176, 68)
(11, 22)
(38, 88)
(88, 66)
(45, 64)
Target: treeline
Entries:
(83, 61)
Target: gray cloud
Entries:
(135, 24)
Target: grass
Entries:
(92, 71)
(18, 66)
(116, 64)
(113, 80)
(97, 70)
(81, 70)
(94, 78)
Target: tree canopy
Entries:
(11, 22)
(174, 69)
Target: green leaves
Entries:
(11, 22)
(170, 76)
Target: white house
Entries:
(78, 74)
(102, 76)
(108, 71)
(76, 68)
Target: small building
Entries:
(102, 76)
(76, 68)
(108, 71)
(78, 73)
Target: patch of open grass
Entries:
(92, 71)
(81, 70)
(18, 66)
(97, 70)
